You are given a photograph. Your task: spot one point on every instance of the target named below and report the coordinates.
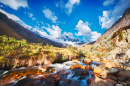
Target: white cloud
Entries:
(85, 31)
(15, 4)
(105, 21)
(68, 34)
(60, 4)
(31, 16)
(95, 35)
(108, 2)
(53, 30)
(48, 14)
(109, 17)
(69, 5)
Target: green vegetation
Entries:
(120, 35)
(105, 37)
(17, 53)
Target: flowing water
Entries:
(33, 77)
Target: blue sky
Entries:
(83, 19)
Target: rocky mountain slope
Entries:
(12, 29)
(123, 21)
(114, 45)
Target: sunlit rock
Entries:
(97, 70)
(77, 66)
(96, 60)
(76, 60)
(110, 65)
(41, 69)
(87, 61)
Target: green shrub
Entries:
(120, 35)
(63, 58)
(105, 37)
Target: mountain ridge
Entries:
(19, 32)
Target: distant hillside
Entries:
(12, 29)
(123, 21)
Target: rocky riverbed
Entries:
(79, 72)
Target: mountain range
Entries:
(17, 30)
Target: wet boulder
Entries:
(96, 81)
(112, 71)
(56, 77)
(124, 73)
(88, 67)
(83, 72)
(87, 61)
(68, 80)
(77, 66)
(111, 81)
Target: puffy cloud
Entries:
(69, 5)
(83, 28)
(108, 2)
(109, 17)
(15, 4)
(105, 21)
(53, 30)
(48, 14)
(85, 31)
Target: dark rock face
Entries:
(123, 21)
(12, 29)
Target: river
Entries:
(58, 74)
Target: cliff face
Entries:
(122, 22)
(12, 29)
